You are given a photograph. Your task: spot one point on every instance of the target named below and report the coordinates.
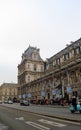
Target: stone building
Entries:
(59, 76)
(30, 68)
(8, 91)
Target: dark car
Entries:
(24, 103)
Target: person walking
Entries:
(74, 102)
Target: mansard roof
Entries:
(65, 50)
(28, 53)
(9, 84)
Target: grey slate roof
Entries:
(28, 53)
(65, 50)
(9, 84)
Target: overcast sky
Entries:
(46, 24)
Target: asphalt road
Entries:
(53, 111)
(15, 119)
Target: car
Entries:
(0, 101)
(5, 101)
(10, 102)
(24, 103)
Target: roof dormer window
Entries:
(58, 61)
(77, 50)
(34, 56)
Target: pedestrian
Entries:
(74, 102)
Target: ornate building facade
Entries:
(59, 76)
(8, 91)
(30, 68)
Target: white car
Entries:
(10, 102)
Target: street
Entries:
(52, 111)
(16, 119)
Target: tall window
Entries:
(35, 67)
(66, 56)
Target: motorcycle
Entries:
(78, 108)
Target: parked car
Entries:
(5, 101)
(24, 102)
(0, 101)
(10, 102)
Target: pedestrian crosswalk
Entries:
(42, 126)
(51, 123)
(36, 125)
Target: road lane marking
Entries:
(51, 123)
(61, 120)
(40, 127)
(20, 118)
